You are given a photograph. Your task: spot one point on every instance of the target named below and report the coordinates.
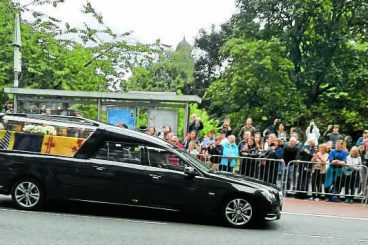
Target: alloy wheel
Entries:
(27, 194)
(238, 212)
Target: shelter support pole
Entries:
(99, 110)
(186, 119)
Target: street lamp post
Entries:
(17, 44)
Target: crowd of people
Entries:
(327, 161)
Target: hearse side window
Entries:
(50, 128)
(121, 152)
(161, 158)
(42, 136)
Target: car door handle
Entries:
(154, 176)
(99, 168)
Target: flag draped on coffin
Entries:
(6, 139)
(60, 145)
(28, 142)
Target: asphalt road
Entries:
(80, 223)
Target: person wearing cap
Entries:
(334, 135)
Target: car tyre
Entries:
(28, 194)
(238, 212)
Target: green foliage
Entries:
(319, 47)
(255, 84)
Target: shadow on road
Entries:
(123, 212)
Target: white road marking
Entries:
(326, 216)
(82, 216)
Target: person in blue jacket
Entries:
(230, 151)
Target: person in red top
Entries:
(175, 141)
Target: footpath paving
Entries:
(305, 206)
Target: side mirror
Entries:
(190, 171)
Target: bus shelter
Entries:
(162, 108)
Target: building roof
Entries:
(184, 45)
(130, 96)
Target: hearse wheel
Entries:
(238, 212)
(27, 194)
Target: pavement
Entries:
(305, 206)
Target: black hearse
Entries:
(71, 158)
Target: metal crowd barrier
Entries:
(300, 178)
(303, 179)
(268, 170)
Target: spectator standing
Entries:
(225, 127)
(196, 125)
(348, 143)
(273, 129)
(268, 168)
(186, 141)
(319, 159)
(334, 135)
(312, 132)
(151, 131)
(215, 150)
(351, 173)
(282, 134)
(175, 141)
(363, 149)
(193, 148)
(247, 127)
(338, 159)
(8, 107)
(33, 109)
(258, 141)
(193, 137)
(248, 165)
(230, 151)
(290, 153)
(363, 138)
(223, 137)
(211, 138)
(246, 136)
(305, 167)
(165, 129)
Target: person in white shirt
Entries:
(312, 132)
(351, 173)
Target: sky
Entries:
(167, 20)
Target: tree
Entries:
(256, 83)
(208, 60)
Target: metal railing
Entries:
(311, 179)
(268, 170)
(299, 178)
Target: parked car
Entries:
(71, 158)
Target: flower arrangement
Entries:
(37, 129)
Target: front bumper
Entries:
(275, 214)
